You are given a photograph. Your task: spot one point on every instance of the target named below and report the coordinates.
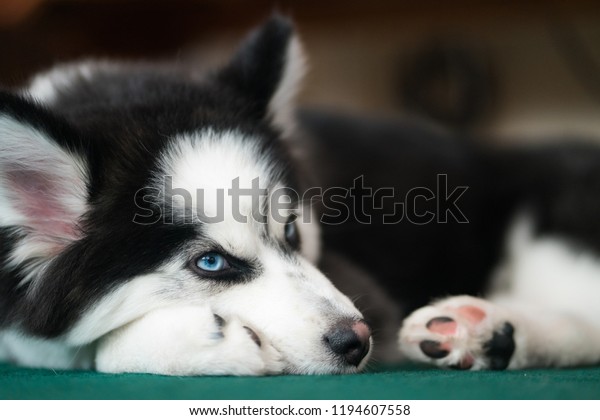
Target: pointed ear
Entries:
(43, 184)
(267, 70)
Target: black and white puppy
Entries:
(131, 238)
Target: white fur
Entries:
(289, 311)
(548, 290)
(134, 299)
(549, 272)
(29, 148)
(282, 104)
(46, 87)
(554, 288)
(310, 233)
(163, 322)
(128, 303)
(466, 341)
(210, 161)
(290, 306)
(191, 343)
(37, 352)
(26, 148)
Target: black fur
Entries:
(558, 185)
(500, 348)
(119, 122)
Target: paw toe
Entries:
(220, 323)
(253, 336)
(465, 363)
(434, 349)
(219, 320)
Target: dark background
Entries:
(511, 67)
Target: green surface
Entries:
(400, 383)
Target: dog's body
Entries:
(524, 235)
(130, 241)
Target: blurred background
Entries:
(505, 68)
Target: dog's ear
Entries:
(43, 184)
(267, 70)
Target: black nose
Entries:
(350, 339)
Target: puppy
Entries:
(153, 219)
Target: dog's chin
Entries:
(335, 366)
(321, 369)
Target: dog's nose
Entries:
(350, 339)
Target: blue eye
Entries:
(212, 262)
(291, 232)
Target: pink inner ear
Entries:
(44, 202)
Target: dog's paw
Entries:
(187, 341)
(461, 332)
(241, 350)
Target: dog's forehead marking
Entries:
(210, 160)
(202, 170)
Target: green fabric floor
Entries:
(399, 383)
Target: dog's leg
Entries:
(469, 333)
(188, 340)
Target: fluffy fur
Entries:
(102, 230)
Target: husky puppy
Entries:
(153, 219)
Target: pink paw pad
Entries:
(447, 326)
(472, 314)
(442, 325)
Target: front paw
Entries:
(460, 332)
(187, 341)
(241, 350)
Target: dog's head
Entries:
(125, 189)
